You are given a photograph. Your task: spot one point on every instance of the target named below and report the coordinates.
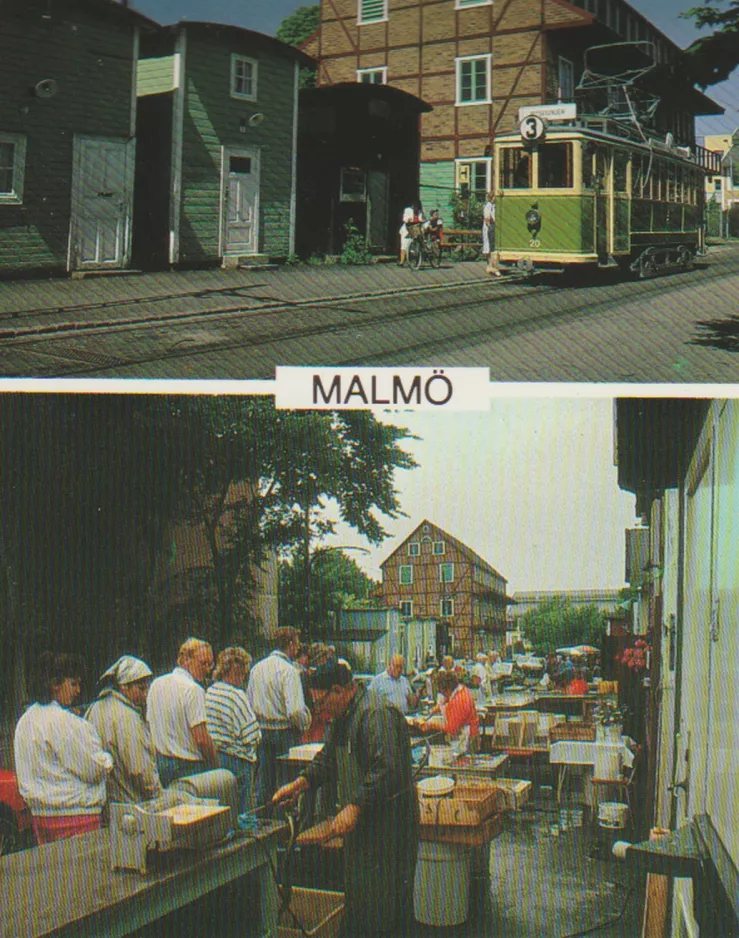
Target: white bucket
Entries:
(441, 893)
(613, 814)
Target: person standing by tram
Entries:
(488, 234)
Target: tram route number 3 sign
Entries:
(532, 127)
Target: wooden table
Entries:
(479, 766)
(67, 889)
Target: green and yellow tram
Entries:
(584, 194)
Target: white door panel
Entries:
(241, 201)
(101, 203)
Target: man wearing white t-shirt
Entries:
(176, 715)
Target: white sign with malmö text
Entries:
(362, 388)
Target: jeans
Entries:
(244, 772)
(171, 768)
(274, 743)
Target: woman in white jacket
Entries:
(60, 763)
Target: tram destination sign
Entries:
(549, 112)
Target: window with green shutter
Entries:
(370, 11)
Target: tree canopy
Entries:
(558, 623)
(300, 25)
(336, 582)
(713, 58)
(132, 521)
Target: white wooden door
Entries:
(241, 201)
(102, 203)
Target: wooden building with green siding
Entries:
(216, 159)
(67, 122)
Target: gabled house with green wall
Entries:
(217, 133)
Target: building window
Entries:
(446, 572)
(447, 607)
(371, 11)
(414, 549)
(406, 608)
(473, 79)
(243, 78)
(353, 184)
(406, 574)
(12, 168)
(439, 547)
(475, 174)
(372, 76)
(566, 91)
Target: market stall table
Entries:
(68, 890)
(570, 752)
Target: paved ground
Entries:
(241, 324)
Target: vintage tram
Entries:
(592, 192)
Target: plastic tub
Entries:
(441, 894)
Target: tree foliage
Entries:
(300, 25)
(713, 58)
(103, 495)
(558, 622)
(336, 582)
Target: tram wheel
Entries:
(648, 267)
(414, 255)
(685, 258)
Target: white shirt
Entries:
(176, 703)
(481, 693)
(231, 722)
(60, 762)
(275, 694)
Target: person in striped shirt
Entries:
(231, 721)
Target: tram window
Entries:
(555, 166)
(515, 168)
(588, 152)
(620, 164)
(639, 181)
(673, 183)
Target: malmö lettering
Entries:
(390, 389)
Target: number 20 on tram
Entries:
(579, 196)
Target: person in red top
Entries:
(460, 720)
(578, 685)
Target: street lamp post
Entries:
(309, 559)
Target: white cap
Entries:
(127, 669)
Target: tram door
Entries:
(602, 192)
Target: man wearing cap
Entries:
(367, 752)
(177, 718)
(118, 716)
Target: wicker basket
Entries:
(576, 732)
(415, 229)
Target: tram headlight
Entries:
(533, 221)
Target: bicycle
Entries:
(422, 248)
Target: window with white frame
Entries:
(446, 572)
(473, 79)
(405, 574)
(460, 4)
(439, 547)
(243, 78)
(371, 11)
(12, 168)
(446, 607)
(414, 549)
(405, 607)
(566, 90)
(372, 76)
(476, 174)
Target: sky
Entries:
(265, 16)
(531, 486)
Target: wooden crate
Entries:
(470, 803)
(465, 836)
(513, 793)
(579, 732)
(318, 911)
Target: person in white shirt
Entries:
(60, 762)
(231, 721)
(275, 694)
(480, 680)
(177, 718)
